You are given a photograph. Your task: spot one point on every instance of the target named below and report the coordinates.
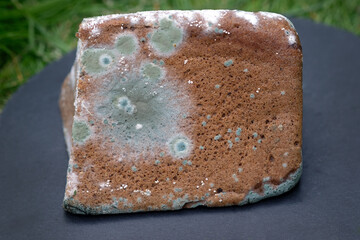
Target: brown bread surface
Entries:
(213, 114)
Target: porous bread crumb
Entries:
(176, 109)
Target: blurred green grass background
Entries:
(34, 33)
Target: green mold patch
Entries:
(97, 61)
(152, 72)
(126, 44)
(80, 131)
(167, 37)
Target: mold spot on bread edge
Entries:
(97, 61)
(271, 191)
(80, 131)
(167, 37)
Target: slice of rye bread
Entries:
(166, 110)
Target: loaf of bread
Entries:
(166, 110)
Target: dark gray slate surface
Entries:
(324, 205)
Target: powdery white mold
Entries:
(276, 16)
(272, 15)
(292, 39)
(71, 184)
(248, 16)
(150, 17)
(210, 18)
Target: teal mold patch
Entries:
(80, 131)
(217, 137)
(124, 103)
(180, 147)
(180, 202)
(235, 177)
(238, 131)
(197, 204)
(271, 191)
(167, 37)
(228, 63)
(142, 114)
(230, 143)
